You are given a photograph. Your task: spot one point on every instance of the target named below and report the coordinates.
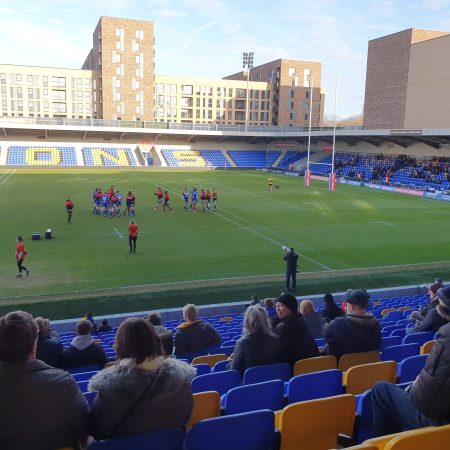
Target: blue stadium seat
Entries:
(90, 396)
(399, 352)
(155, 440)
(202, 369)
(80, 369)
(311, 386)
(221, 382)
(83, 376)
(364, 421)
(247, 431)
(267, 372)
(389, 341)
(220, 366)
(419, 338)
(253, 158)
(410, 367)
(251, 397)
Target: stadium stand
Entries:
(253, 158)
(40, 156)
(109, 157)
(194, 158)
(291, 157)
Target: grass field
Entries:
(351, 228)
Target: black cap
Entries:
(288, 300)
(357, 297)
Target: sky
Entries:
(207, 37)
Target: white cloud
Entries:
(170, 13)
(385, 8)
(55, 21)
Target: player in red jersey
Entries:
(98, 201)
(132, 236)
(69, 209)
(214, 199)
(208, 199)
(113, 205)
(130, 200)
(203, 200)
(166, 203)
(160, 195)
(20, 256)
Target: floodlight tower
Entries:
(247, 63)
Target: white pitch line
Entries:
(118, 233)
(380, 222)
(7, 178)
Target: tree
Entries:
(352, 121)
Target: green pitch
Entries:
(347, 229)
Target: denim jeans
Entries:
(393, 411)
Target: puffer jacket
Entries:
(430, 393)
(121, 406)
(195, 336)
(352, 334)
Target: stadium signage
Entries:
(414, 192)
(405, 132)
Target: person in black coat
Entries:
(291, 259)
(355, 332)
(194, 335)
(427, 403)
(48, 350)
(296, 340)
(331, 310)
(258, 345)
(83, 350)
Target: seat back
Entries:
(434, 438)
(267, 372)
(356, 359)
(360, 378)
(202, 369)
(220, 366)
(364, 419)
(418, 338)
(251, 397)
(156, 440)
(315, 424)
(400, 352)
(206, 405)
(389, 341)
(211, 360)
(90, 396)
(315, 385)
(427, 347)
(247, 431)
(221, 382)
(317, 364)
(410, 367)
(80, 369)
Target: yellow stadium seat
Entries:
(317, 364)
(381, 442)
(210, 359)
(315, 424)
(356, 359)
(362, 447)
(360, 378)
(427, 347)
(206, 406)
(226, 319)
(433, 438)
(404, 308)
(387, 310)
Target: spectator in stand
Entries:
(268, 306)
(105, 326)
(420, 314)
(296, 340)
(90, 318)
(355, 332)
(427, 403)
(194, 335)
(143, 391)
(48, 350)
(83, 350)
(165, 335)
(434, 319)
(258, 345)
(42, 407)
(254, 301)
(331, 310)
(52, 333)
(313, 319)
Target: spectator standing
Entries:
(355, 332)
(258, 345)
(291, 259)
(42, 407)
(165, 335)
(144, 391)
(427, 403)
(194, 335)
(313, 319)
(331, 310)
(90, 318)
(296, 340)
(83, 350)
(48, 350)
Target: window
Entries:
(207, 114)
(137, 97)
(59, 107)
(159, 88)
(45, 106)
(254, 116)
(138, 72)
(197, 103)
(255, 93)
(171, 89)
(45, 81)
(19, 78)
(4, 105)
(30, 79)
(239, 115)
(59, 82)
(3, 78)
(140, 34)
(187, 102)
(264, 116)
(207, 90)
(220, 115)
(138, 59)
(220, 103)
(3, 91)
(239, 104)
(306, 116)
(160, 100)
(306, 77)
(172, 101)
(292, 93)
(306, 105)
(87, 83)
(137, 84)
(265, 105)
(58, 95)
(292, 105)
(117, 96)
(30, 92)
(241, 93)
(291, 71)
(87, 96)
(117, 83)
(207, 103)
(45, 93)
(159, 112)
(186, 89)
(221, 92)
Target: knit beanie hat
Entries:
(444, 297)
(288, 300)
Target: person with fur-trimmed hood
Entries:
(143, 391)
(355, 332)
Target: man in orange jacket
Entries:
(20, 256)
(132, 236)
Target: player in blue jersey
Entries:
(119, 202)
(185, 198)
(105, 204)
(194, 200)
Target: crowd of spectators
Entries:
(147, 389)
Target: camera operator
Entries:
(291, 259)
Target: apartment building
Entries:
(407, 81)
(28, 91)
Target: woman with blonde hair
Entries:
(313, 319)
(258, 345)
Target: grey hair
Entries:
(256, 320)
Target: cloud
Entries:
(170, 13)
(385, 8)
(55, 21)
(435, 5)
